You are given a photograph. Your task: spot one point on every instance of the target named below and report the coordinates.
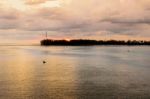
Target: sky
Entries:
(25, 21)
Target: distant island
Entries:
(86, 42)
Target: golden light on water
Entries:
(73, 72)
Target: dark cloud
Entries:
(9, 18)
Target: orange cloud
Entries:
(35, 2)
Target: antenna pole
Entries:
(46, 35)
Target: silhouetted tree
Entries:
(78, 42)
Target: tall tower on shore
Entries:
(46, 35)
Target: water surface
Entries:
(84, 72)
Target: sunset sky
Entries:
(25, 21)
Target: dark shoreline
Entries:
(85, 42)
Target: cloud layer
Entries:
(33, 2)
(120, 19)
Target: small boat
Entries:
(44, 62)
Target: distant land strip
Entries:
(86, 42)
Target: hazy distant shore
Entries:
(84, 42)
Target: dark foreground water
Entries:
(95, 72)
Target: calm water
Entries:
(95, 72)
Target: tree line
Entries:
(80, 42)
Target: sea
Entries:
(74, 72)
